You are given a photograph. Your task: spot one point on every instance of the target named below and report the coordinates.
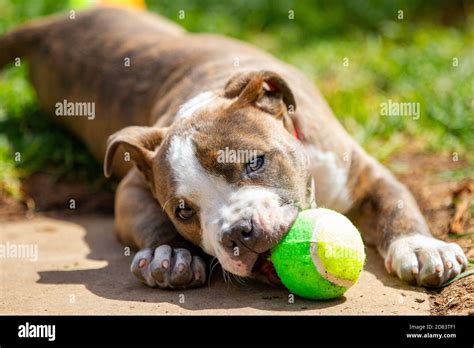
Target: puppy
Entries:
(228, 143)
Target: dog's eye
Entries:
(255, 164)
(184, 212)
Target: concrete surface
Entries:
(82, 269)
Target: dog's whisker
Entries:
(213, 264)
(229, 276)
(240, 280)
(224, 275)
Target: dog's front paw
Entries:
(424, 261)
(166, 267)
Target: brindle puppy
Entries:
(172, 102)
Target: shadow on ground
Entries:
(115, 282)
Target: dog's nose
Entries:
(240, 231)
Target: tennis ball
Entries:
(321, 256)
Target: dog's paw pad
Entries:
(166, 267)
(424, 260)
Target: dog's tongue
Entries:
(269, 271)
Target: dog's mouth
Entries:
(264, 267)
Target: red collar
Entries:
(295, 133)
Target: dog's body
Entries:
(187, 98)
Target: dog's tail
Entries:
(20, 41)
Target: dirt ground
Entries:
(83, 269)
(447, 204)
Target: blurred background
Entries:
(423, 54)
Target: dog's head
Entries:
(229, 172)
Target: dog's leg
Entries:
(389, 217)
(165, 259)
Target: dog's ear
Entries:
(139, 142)
(264, 89)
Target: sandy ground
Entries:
(82, 269)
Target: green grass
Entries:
(408, 60)
(380, 69)
(30, 142)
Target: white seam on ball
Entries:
(313, 250)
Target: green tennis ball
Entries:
(321, 256)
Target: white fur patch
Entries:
(331, 189)
(194, 181)
(195, 103)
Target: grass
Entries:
(407, 60)
(30, 142)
